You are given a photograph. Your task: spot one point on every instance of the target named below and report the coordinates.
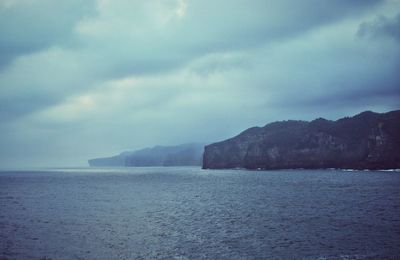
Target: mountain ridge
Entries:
(178, 155)
(367, 140)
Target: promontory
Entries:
(365, 141)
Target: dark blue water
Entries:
(188, 213)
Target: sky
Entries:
(81, 79)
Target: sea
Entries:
(190, 213)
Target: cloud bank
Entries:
(83, 79)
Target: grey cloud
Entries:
(382, 26)
(386, 99)
(29, 26)
(207, 27)
(119, 75)
(247, 24)
(11, 108)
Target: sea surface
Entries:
(189, 213)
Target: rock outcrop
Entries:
(180, 155)
(366, 141)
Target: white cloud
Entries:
(181, 8)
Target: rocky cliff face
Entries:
(179, 155)
(366, 141)
(113, 161)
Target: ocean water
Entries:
(189, 213)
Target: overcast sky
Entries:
(82, 78)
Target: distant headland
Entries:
(179, 155)
(366, 141)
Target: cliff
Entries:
(179, 155)
(366, 141)
(113, 161)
